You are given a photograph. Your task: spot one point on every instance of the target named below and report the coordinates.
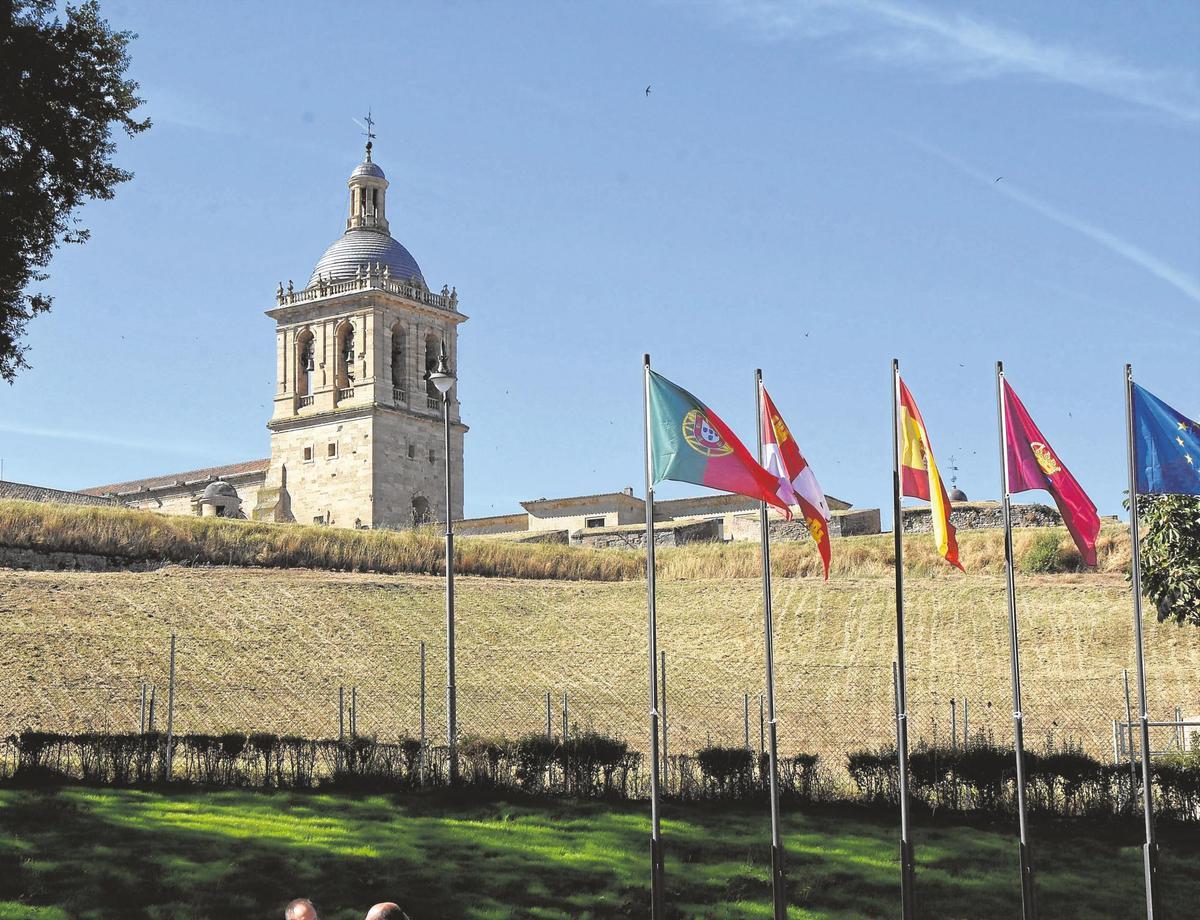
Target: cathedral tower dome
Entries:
(367, 241)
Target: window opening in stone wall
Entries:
(308, 454)
(412, 451)
(432, 347)
(432, 456)
(593, 522)
(305, 364)
(399, 389)
(331, 449)
(421, 512)
(345, 370)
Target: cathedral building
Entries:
(357, 432)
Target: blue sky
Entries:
(809, 188)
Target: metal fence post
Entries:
(966, 725)
(354, 712)
(666, 773)
(422, 752)
(762, 725)
(1179, 727)
(341, 726)
(746, 720)
(170, 715)
(549, 720)
(1133, 782)
(150, 715)
(566, 725)
(953, 726)
(142, 715)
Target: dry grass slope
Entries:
(143, 535)
(267, 649)
(268, 635)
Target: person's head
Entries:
(386, 911)
(300, 909)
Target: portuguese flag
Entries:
(689, 443)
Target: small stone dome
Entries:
(958, 495)
(218, 490)
(368, 168)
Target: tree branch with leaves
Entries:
(63, 89)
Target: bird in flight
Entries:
(648, 89)
(998, 178)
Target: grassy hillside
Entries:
(267, 649)
(145, 535)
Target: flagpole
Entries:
(907, 860)
(657, 895)
(778, 882)
(1028, 905)
(1150, 851)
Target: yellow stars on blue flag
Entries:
(1166, 444)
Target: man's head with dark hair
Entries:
(300, 909)
(386, 911)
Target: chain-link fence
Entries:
(72, 681)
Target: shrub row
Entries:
(981, 778)
(1064, 782)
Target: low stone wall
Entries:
(559, 537)
(34, 560)
(666, 533)
(982, 516)
(842, 524)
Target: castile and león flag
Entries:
(798, 484)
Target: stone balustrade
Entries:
(374, 279)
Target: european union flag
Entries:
(1166, 446)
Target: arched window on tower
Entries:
(344, 376)
(433, 399)
(305, 366)
(399, 372)
(346, 354)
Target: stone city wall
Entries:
(842, 524)
(634, 537)
(982, 516)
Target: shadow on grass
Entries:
(103, 854)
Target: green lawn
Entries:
(83, 854)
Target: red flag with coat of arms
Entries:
(798, 485)
(1033, 464)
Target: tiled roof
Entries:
(159, 482)
(28, 493)
(362, 246)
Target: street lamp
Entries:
(442, 378)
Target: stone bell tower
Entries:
(357, 434)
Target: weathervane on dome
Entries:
(368, 131)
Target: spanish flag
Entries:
(919, 476)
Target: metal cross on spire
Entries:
(368, 126)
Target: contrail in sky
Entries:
(1180, 280)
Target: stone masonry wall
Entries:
(982, 516)
(399, 478)
(337, 489)
(664, 535)
(842, 524)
